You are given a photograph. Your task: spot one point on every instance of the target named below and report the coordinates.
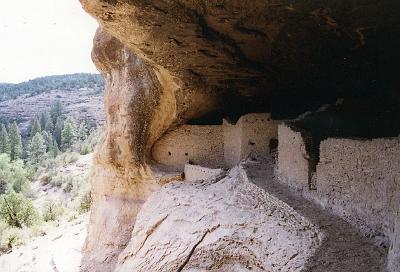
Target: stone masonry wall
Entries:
(293, 166)
(216, 146)
(232, 143)
(360, 181)
(251, 134)
(201, 145)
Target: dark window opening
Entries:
(273, 145)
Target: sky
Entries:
(44, 37)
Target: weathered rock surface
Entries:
(243, 222)
(219, 225)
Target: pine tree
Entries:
(42, 119)
(37, 149)
(58, 130)
(48, 140)
(36, 128)
(4, 141)
(49, 125)
(54, 151)
(56, 111)
(83, 131)
(68, 135)
(16, 148)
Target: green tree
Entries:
(4, 140)
(36, 127)
(42, 119)
(5, 173)
(19, 177)
(17, 210)
(56, 111)
(58, 130)
(54, 151)
(37, 149)
(16, 148)
(83, 131)
(49, 125)
(48, 140)
(68, 135)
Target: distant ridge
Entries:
(48, 83)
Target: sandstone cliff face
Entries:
(135, 97)
(166, 62)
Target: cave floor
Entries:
(344, 248)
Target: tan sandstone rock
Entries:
(220, 225)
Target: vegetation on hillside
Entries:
(46, 84)
(55, 141)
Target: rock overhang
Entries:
(245, 49)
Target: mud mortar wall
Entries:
(360, 181)
(251, 134)
(191, 143)
(292, 158)
(216, 146)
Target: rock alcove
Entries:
(184, 64)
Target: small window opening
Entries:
(273, 145)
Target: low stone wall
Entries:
(197, 172)
(360, 181)
(293, 167)
(191, 143)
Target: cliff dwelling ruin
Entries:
(217, 145)
(247, 136)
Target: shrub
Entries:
(13, 237)
(57, 181)
(67, 158)
(20, 181)
(85, 202)
(17, 210)
(13, 175)
(45, 179)
(68, 186)
(52, 211)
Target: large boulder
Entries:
(226, 224)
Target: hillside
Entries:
(45, 84)
(80, 94)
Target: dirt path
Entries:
(58, 251)
(344, 249)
